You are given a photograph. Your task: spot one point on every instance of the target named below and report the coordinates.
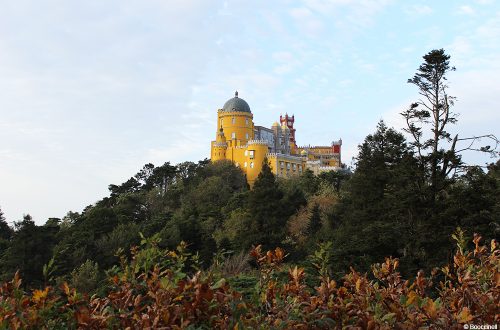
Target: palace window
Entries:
(246, 153)
(251, 164)
(294, 167)
(221, 121)
(282, 164)
(287, 166)
(245, 165)
(252, 154)
(246, 136)
(246, 121)
(233, 120)
(233, 135)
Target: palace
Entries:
(246, 145)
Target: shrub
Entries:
(165, 288)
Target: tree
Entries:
(378, 204)
(144, 175)
(473, 202)
(29, 250)
(129, 186)
(86, 277)
(336, 179)
(438, 156)
(5, 230)
(161, 177)
(5, 234)
(265, 205)
(437, 152)
(380, 163)
(314, 221)
(308, 183)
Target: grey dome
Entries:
(236, 104)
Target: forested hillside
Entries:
(410, 200)
(373, 213)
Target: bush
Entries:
(86, 277)
(165, 288)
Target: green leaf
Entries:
(220, 283)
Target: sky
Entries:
(90, 91)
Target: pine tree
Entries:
(378, 203)
(434, 109)
(5, 235)
(5, 230)
(266, 208)
(314, 221)
(438, 156)
(30, 248)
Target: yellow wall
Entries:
(254, 165)
(283, 167)
(242, 125)
(217, 152)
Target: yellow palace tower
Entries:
(246, 145)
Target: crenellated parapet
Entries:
(328, 168)
(283, 156)
(262, 142)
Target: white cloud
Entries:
(466, 10)
(419, 10)
(485, 2)
(477, 47)
(285, 62)
(301, 13)
(306, 21)
(351, 16)
(345, 82)
(460, 46)
(283, 56)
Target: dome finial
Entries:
(236, 94)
